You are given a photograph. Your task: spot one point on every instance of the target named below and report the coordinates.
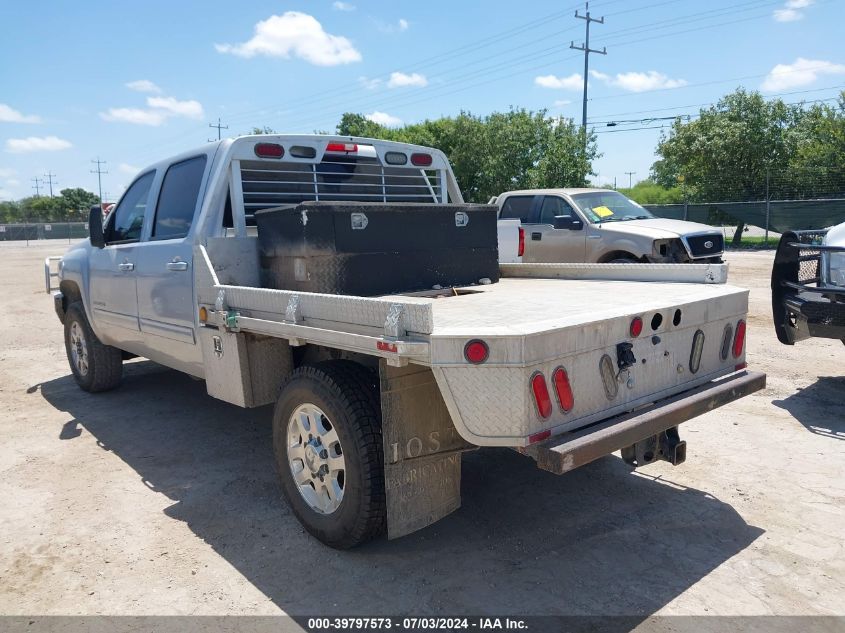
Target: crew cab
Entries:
(808, 285)
(602, 225)
(229, 263)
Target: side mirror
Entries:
(568, 222)
(95, 227)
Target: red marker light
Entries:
(521, 250)
(636, 327)
(269, 150)
(421, 160)
(384, 346)
(541, 395)
(539, 437)
(476, 352)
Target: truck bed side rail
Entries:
(672, 273)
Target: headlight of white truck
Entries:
(836, 268)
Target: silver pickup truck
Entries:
(602, 225)
(377, 397)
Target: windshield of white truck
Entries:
(609, 206)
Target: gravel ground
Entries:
(157, 499)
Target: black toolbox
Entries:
(369, 249)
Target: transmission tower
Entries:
(587, 50)
(99, 171)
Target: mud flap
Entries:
(422, 450)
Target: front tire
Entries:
(328, 446)
(95, 366)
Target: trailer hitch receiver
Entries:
(666, 445)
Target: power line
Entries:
(50, 181)
(219, 127)
(99, 171)
(587, 50)
(630, 175)
(37, 186)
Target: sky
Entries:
(133, 83)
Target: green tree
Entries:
(75, 203)
(649, 192)
(495, 153)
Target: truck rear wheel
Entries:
(328, 446)
(95, 366)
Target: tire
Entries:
(623, 260)
(335, 402)
(95, 366)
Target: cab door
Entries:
(112, 283)
(557, 232)
(166, 305)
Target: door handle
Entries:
(126, 266)
(177, 265)
(536, 236)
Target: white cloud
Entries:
(137, 116)
(400, 25)
(790, 11)
(802, 72)
(787, 15)
(562, 102)
(190, 109)
(383, 118)
(295, 34)
(639, 82)
(403, 24)
(10, 115)
(370, 84)
(398, 80)
(574, 82)
(6, 172)
(13, 182)
(126, 168)
(36, 144)
(143, 85)
(343, 6)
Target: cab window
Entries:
(178, 199)
(128, 216)
(517, 208)
(554, 206)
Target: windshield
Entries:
(609, 206)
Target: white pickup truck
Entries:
(376, 397)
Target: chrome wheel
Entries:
(78, 349)
(316, 459)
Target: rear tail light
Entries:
(563, 389)
(541, 395)
(421, 160)
(476, 352)
(521, 250)
(739, 339)
(695, 352)
(636, 327)
(342, 147)
(269, 150)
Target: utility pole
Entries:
(219, 127)
(630, 180)
(99, 171)
(37, 186)
(50, 181)
(587, 50)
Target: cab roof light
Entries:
(342, 147)
(269, 150)
(476, 351)
(303, 151)
(421, 160)
(563, 389)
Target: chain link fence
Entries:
(43, 231)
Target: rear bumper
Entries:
(566, 452)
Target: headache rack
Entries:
(267, 184)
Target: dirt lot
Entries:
(156, 499)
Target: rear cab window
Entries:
(517, 208)
(178, 199)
